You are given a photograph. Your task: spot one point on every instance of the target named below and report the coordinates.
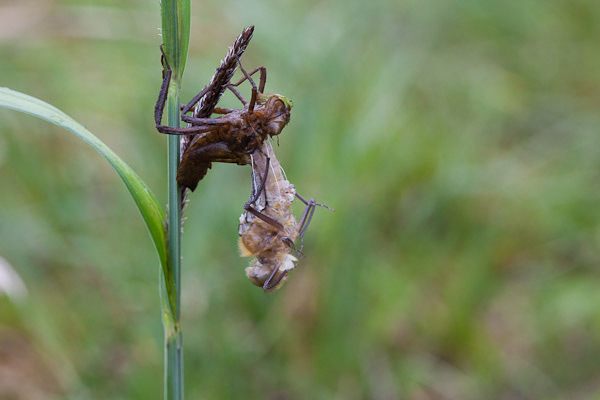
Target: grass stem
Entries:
(175, 34)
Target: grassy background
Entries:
(457, 141)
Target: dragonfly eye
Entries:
(279, 103)
(287, 102)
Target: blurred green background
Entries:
(458, 142)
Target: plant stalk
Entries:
(175, 15)
(173, 334)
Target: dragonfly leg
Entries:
(238, 94)
(292, 246)
(263, 217)
(271, 221)
(263, 78)
(217, 110)
(255, 90)
(311, 201)
(268, 285)
(190, 130)
(159, 108)
(248, 206)
(261, 188)
(185, 109)
(307, 215)
(202, 121)
(221, 110)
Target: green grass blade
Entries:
(151, 211)
(175, 18)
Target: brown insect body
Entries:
(272, 251)
(267, 227)
(232, 137)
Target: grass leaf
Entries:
(176, 16)
(151, 211)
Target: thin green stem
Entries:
(173, 334)
(174, 374)
(175, 31)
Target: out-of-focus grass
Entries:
(457, 141)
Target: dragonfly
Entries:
(235, 134)
(267, 227)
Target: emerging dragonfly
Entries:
(230, 138)
(267, 227)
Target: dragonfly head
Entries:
(276, 112)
